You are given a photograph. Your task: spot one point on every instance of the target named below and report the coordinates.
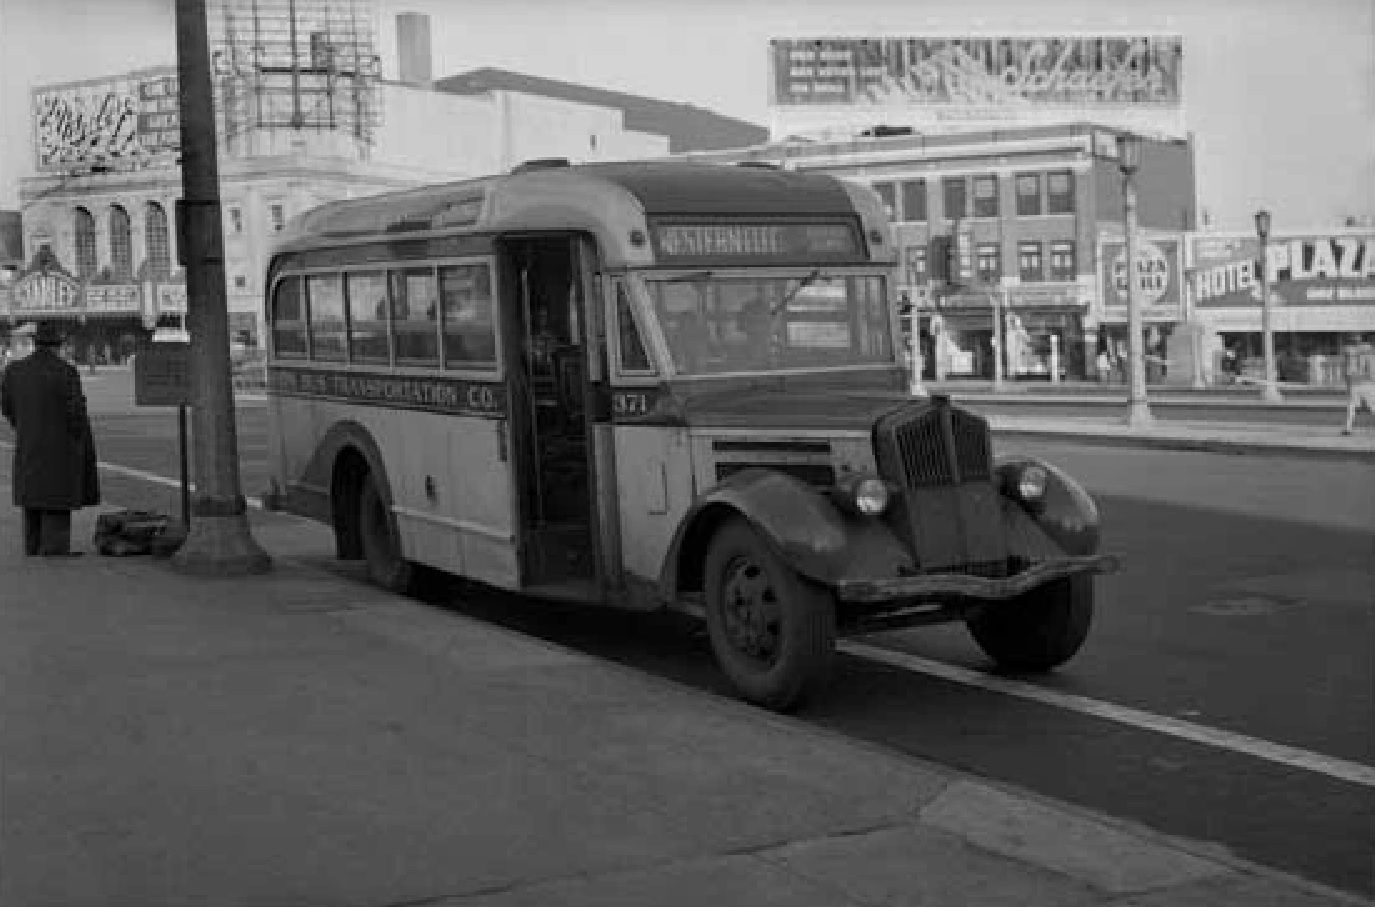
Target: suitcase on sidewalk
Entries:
(129, 532)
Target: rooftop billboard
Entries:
(980, 78)
(130, 119)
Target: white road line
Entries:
(1294, 757)
(152, 478)
(1342, 769)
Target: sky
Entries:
(1280, 94)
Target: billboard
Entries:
(1159, 279)
(1305, 270)
(128, 119)
(978, 72)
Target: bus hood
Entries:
(788, 408)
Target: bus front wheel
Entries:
(772, 631)
(381, 548)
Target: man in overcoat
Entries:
(54, 454)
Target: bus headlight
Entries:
(864, 495)
(1031, 483)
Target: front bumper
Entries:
(961, 585)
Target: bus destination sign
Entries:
(756, 243)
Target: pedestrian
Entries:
(1358, 367)
(1104, 366)
(54, 453)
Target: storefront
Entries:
(1322, 293)
(1042, 329)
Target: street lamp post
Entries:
(1269, 391)
(1129, 160)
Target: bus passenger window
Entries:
(634, 359)
(288, 320)
(415, 317)
(325, 298)
(469, 329)
(367, 296)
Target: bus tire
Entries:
(1039, 630)
(381, 548)
(772, 631)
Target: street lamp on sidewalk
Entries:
(1269, 391)
(1128, 161)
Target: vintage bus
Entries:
(657, 384)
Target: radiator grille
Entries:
(942, 446)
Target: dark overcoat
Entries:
(54, 452)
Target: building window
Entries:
(988, 263)
(121, 244)
(415, 316)
(953, 195)
(914, 200)
(1062, 265)
(288, 320)
(1029, 263)
(1028, 194)
(236, 220)
(325, 295)
(278, 215)
(888, 192)
(470, 333)
(155, 238)
(985, 196)
(85, 244)
(915, 264)
(367, 305)
(240, 282)
(1060, 192)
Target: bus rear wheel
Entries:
(381, 548)
(772, 631)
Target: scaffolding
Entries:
(296, 65)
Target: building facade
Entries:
(1030, 213)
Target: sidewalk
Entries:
(300, 739)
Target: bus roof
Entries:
(612, 200)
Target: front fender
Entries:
(805, 529)
(1067, 513)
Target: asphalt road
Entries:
(1246, 605)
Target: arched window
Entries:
(121, 246)
(159, 256)
(85, 243)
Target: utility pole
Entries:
(219, 543)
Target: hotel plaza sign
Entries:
(978, 71)
(1309, 270)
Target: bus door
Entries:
(549, 393)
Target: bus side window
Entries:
(288, 320)
(465, 293)
(415, 317)
(367, 297)
(325, 304)
(634, 359)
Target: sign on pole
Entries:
(162, 375)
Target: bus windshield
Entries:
(717, 324)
